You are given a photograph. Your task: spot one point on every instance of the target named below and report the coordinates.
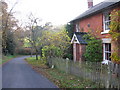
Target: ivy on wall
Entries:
(115, 33)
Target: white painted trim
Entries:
(105, 32)
(106, 40)
(103, 51)
(74, 52)
(77, 27)
(72, 41)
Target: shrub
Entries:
(93, 49)
(51, 51)
(24, 51)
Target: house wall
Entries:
(93, 24)
(82, 51)
(78, 51)
(74, 51)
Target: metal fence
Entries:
(107, 76)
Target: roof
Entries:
(97, 8)
(79, 36)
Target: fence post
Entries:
(67, 61)
(101, 71)
(108, 76)
(116, 70)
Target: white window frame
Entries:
(104, 51)
(105, 21)
(77, 27)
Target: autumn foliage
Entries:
(115, 33)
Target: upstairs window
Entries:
(77, 27)
(106, 21)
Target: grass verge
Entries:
(61, 79)
(7, 58)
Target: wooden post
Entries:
(67, 61)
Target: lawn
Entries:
(61, 79)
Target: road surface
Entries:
(18, 74)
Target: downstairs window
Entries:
(107, 51)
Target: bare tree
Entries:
(34, 31)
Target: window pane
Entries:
(77, 28)
(107, 24)
(105, 56)
(107, 21)
(107, 51)
(110, 47)
(109, 54)
(106, 47)
(107, 16)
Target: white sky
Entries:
(55, 11)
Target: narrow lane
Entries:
(18, 74)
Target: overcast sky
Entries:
(55, 11)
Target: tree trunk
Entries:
(31, 52)
(36, 56)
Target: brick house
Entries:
(97, 19)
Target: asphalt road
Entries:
(18, 74)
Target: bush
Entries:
(51, 51)
(68, 56)
(115, 57)
(24, 51)
(93, 49)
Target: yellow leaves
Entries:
(115, 57)
(115, 33)
(57, 42)
(115, 24)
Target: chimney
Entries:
(90, 3)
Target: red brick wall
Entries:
(96, 25)
(77, 52)
(82, 51)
